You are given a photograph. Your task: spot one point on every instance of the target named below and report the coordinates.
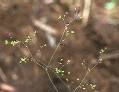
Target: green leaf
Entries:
(110, 5)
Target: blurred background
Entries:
(73, 37)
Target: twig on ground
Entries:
(3, 75)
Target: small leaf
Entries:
(110, 5)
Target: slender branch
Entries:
(88, 71)
(57, 47)
(51, 80)
(3, 75)
(60, 78)
(34, 60)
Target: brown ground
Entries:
(101, 31)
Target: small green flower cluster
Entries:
(23, 60)
(28, 39)
(59, 71)
(12, 42)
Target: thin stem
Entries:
(56, 47)
(59, 78)
(43, 66)
(34, 60)
(85, 76)
(51, 80)
(62, 36)
(81, 81)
